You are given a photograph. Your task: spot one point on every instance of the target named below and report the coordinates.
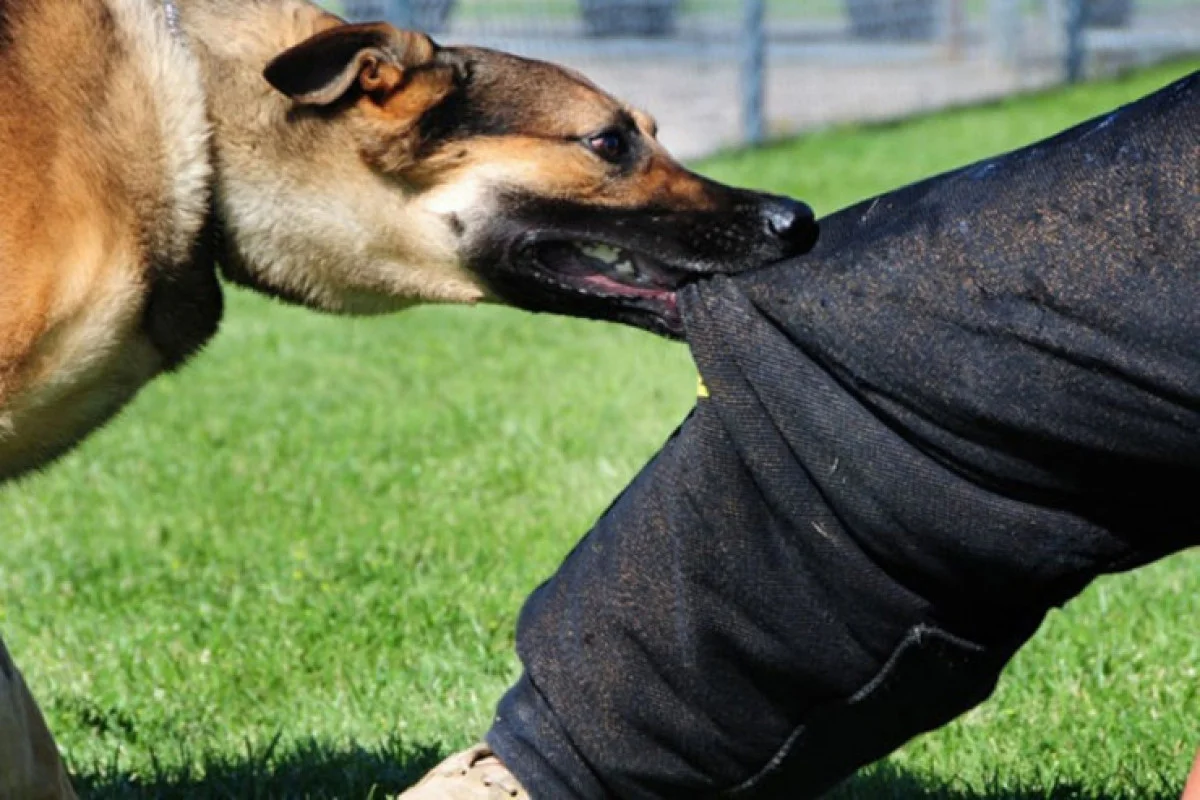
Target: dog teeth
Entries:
(606, 254)
(616, 261)
(625, 269)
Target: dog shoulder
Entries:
(104, 181)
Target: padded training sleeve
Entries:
(975, 396)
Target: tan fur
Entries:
(106, 175)
(89, 200)
(346, 241)
(562, 169)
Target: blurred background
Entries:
(725, 73)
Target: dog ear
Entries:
(322, 69)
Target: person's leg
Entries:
(721, 632)
(789, 591)
(30, 767)
(977, 395)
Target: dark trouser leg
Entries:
(668, 658)
(761, 620)
(977, 395)
(768, 608)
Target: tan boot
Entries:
(474, 774)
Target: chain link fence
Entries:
(720, 73)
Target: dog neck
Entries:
(232, 41)
(302, 215)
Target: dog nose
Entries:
(792, 223)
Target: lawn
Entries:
(293, 570)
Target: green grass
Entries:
(293, 570)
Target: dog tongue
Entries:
(610, 286)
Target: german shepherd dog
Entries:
(354, 169)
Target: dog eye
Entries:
(611, 145)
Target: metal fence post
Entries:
(754, 65)
(399, 13)
(1076, 20)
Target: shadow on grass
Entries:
(317, 771)
(312, 770)
(886, 782)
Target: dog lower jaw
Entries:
(596, 281)
(535, 289)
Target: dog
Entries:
(355, 169)
(352, 169)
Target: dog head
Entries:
(481, 175)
